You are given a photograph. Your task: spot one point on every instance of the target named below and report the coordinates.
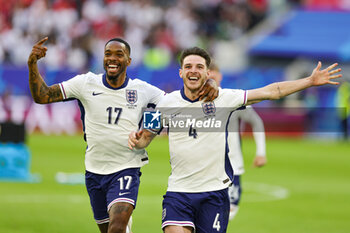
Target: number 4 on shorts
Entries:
(216, 224)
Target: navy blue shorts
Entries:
(205, 212)
(105, 190)
(235, 190)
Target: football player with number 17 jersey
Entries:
(111, 105)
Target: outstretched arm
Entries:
(140, 139)
(41, 93)
(281, 89)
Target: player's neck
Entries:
(191, 94)
(116, 82)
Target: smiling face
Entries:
(194, 72)
(116, 59)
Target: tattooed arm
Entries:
(41, 93)
(279, 90)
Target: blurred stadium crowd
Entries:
(157, 31)
(77, 29)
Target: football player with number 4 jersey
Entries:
(197, 196)
(111, 105)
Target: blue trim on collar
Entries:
(104, 80)
(182, 91)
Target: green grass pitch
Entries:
(304, 188)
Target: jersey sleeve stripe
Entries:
(63, 91)
(245, 97)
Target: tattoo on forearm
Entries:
(54, 93)
(40, 91)
(43, 90)
(50, 94)
(34, 85)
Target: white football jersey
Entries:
(199, 158)
(250, 116)
(109, 115)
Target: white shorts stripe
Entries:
(102, 221)
(178, 223)
(127, 200)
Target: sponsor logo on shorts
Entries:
(124, 193)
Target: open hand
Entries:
(38, 51)
(321, 77)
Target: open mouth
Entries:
(193, 78)
(112, 67)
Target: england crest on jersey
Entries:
(209, 108)
(131, 96)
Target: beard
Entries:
(197, 86)
(114, 76)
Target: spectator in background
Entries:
(85, 25)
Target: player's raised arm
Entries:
(41, 93)
(140, 139)
(281, 89)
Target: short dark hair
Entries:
(121, 41)
(195, 51)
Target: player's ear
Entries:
(180, 73)
(208, 73)
(129, 61)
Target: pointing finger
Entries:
(42, 41)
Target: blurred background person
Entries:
(247, 115)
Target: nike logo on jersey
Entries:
(98, 93)
(121, 194)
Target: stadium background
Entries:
(256, 42)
